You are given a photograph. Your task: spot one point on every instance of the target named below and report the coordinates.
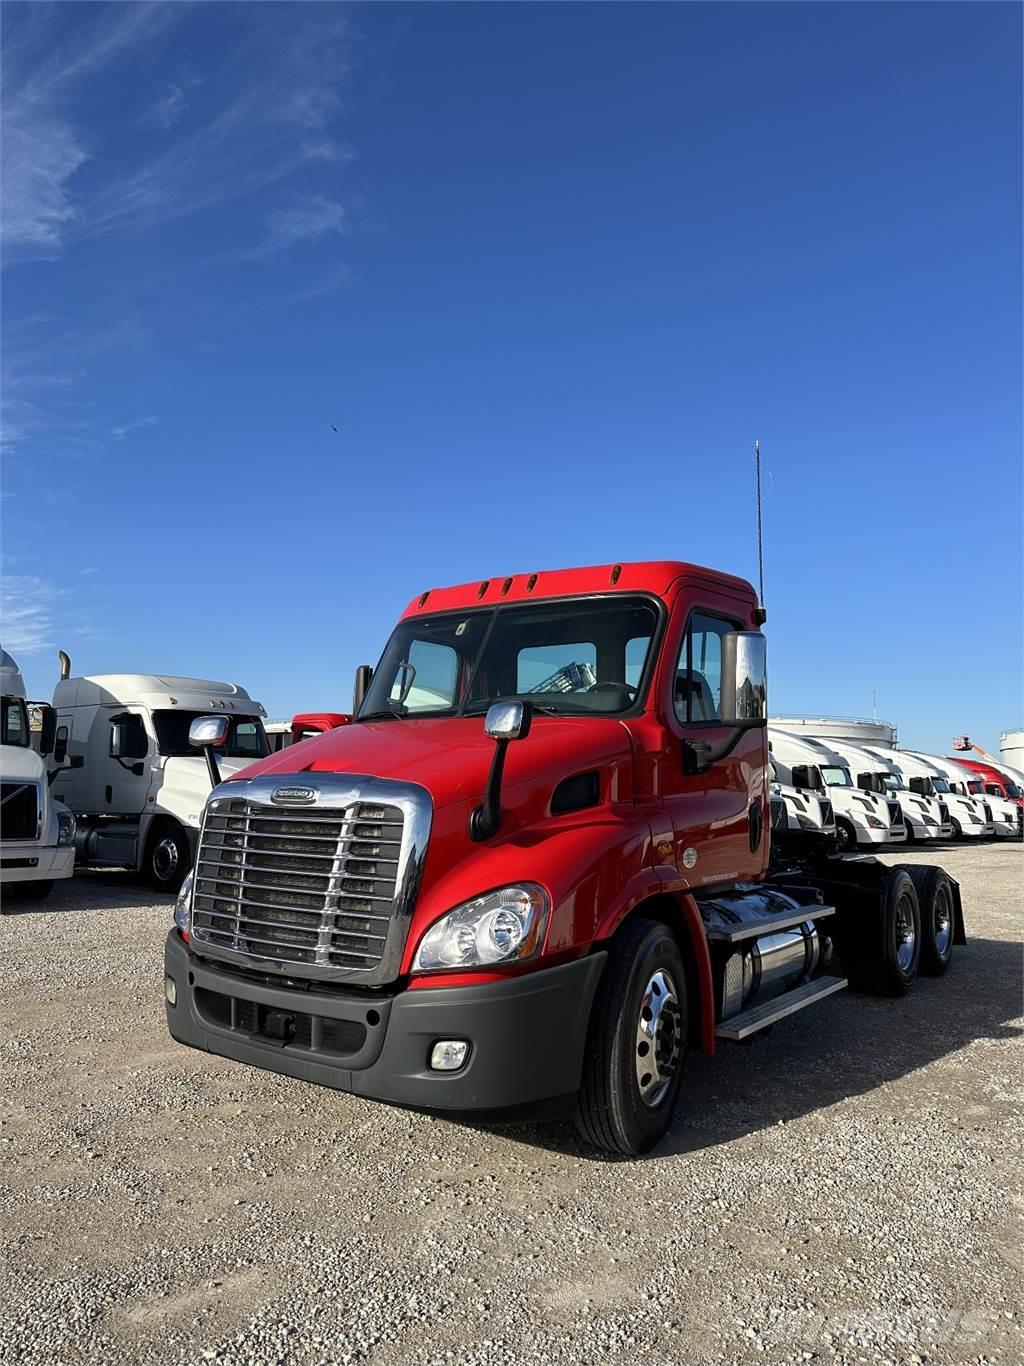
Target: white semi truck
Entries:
(37, 832)
(861, 817)
(124, 765)
(873, 769)
(999, 817)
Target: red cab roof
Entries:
(645, 576)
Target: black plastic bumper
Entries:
(526, 1034)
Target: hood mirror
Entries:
(508, 720)
(210, 733)
(504, 722)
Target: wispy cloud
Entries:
(26, 613)
(41, 150)
(126, 428)
(316, 217)
(276, 119)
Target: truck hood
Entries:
(20, 764)
(450, 756)
(180, 784)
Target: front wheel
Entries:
(33, 891)
(636, 1042)
(167, 857)
(958, 830)
(846, 837)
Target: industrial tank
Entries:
(857, 732)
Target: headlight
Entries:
(183, 906)
(875, 823)
(65, 828)
(503, 926)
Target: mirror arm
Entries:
(211, 764)
(485, 821)
(698, 756)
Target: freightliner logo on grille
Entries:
(294, 796)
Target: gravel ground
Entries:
(847, 1189)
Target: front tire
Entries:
(636, 1041)
(846, 836)
(958, 830)
(31, 891)
(167, 857)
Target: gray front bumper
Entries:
(527, 1034)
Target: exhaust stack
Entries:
(65, 664)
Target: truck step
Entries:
(766, 924)
(760, 1017)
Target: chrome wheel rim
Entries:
(943, 921)
(659, 1038)
(906, 936)
(165, 858)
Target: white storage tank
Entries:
(1011, 747)
(850, 728)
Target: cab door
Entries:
(125, 767)
(718, 817)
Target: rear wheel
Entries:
(886, 963)
(938, 915)
(636, 1041)
(167, 857)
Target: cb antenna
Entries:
(760, 537)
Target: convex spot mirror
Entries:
(744, 679)
(209, 732)
(508, 720)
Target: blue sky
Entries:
(549, 269)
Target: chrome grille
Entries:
(320, 890)
(943, 813)
(895, 813)
(828, 816)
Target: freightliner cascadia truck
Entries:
(537, 869)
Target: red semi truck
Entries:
(537, 868)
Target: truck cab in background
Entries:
(302, 726)
(996, 781)
(123, 763)
(925, 815)
(861, 816)
(970, 812)
(37, 832)
(998, 811)
(800, 814)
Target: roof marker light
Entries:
(615, 574)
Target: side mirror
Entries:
(209, 732)
(48, 730)
(508, 720)
(744, 702)
(363, 676)
(504, 722)
(744, 679)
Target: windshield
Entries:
(246, 737)
(940, 785)
(1012, 789)
(836, 777)
(14, 719)
(573, 657)
(976, 787)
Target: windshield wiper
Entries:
(380, 716)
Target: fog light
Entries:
(171, 991)
(448, 1055)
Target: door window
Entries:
(697, 692)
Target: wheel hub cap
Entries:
(943, 922)
(905, 936)
(165, 858)
(659, 1037)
